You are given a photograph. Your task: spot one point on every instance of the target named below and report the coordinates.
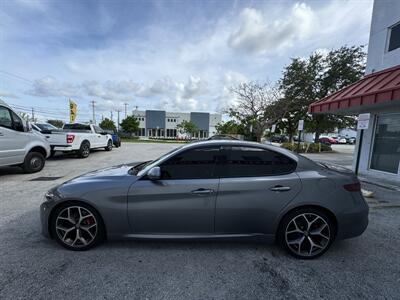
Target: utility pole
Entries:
(111, 114)
(33, 114)
(94, 116)
(118, 111)
(125, 104)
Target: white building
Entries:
(378, 94)
(162, 124)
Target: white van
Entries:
(18, 144)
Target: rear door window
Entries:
(256, 162)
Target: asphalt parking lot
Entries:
(32, 267)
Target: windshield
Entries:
(154, 163)
(46, 126)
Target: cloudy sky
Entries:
(173, 55)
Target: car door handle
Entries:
(279, 188)
(202, 191)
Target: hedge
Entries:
(307, 147)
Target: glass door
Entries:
(386, 149)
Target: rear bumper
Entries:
(63, 148)
(352, 224)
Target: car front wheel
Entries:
(34, 162)
(77, 227)
(306, 233)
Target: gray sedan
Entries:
(211, 190)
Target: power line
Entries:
(16, 76)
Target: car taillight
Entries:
(353, 187)
(70, 138)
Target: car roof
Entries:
(241, 144)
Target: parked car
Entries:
(351, 140)
(327, 140)
(115, 137)
(212, 189)
(221, 137)
(20, 146)
(279, 139)
(79, 138)
(341, 140)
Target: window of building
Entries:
(253, 162)
(394, 37)
(386, 150)
(192, 164)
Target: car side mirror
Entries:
(154, 173)
(27, 126)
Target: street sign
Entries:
(363, 121)
(273, 128)
(301, 125)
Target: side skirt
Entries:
(256, 237)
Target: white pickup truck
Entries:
(79, 138)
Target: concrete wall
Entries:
(386, 13)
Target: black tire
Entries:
(97, 234)
(84, 150)
(298, 214)
(109, 145)
(34, 162)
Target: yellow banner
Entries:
(72, 111)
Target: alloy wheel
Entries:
(76, 226)
(307, 234)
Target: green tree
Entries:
(307, 80)
(130, 125)
(187, 127)
(230, 127)
(258, 107)
(107, 124)
(56, 123)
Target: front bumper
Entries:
(44, 218)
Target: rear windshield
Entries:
(77, 127)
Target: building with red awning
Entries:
(377, 94)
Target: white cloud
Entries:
(260, 34)
(51, 87)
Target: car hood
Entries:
(106, 173)
(117, 177)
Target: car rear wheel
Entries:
(77, 226)
(34, 162)
(84, 150)
(109, 145)
(306, 233)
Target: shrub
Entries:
(307, 147)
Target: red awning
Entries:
(374, 89)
